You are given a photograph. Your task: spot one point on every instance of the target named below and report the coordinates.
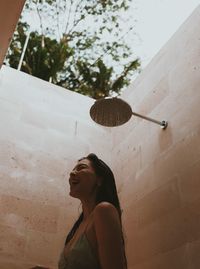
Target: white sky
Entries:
(157, 21)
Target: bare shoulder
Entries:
(106, 211)
(109, 236)
(105, 207)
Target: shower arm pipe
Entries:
(163, 123)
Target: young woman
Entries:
(96, 239)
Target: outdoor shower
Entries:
(113, 111)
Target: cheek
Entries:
(88, 182)
(92, 180)
(87, 177)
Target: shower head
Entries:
(110, 112)
(113, 111)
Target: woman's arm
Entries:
(109, 236)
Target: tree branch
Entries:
(69, 15)
(57, 17)
(76, 11)
(40, 17)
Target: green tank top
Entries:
(81, 256)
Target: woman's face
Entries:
(83, 180)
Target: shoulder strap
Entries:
(88, 222)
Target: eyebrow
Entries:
(80, 164)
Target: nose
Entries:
(72, 173)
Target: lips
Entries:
(74, 185)
(73, 182)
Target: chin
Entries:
(74, 195)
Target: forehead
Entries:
(85, 161)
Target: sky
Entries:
(157, 21)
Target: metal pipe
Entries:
(23, 52)
(162, 123)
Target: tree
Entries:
(42, 61)
(75, 53)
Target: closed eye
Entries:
(80, 167)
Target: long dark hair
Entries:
(106, 192)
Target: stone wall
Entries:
(45, 129)
(159, 170)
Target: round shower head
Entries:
(113, 111)
(110, 111)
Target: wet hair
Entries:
(106, 192)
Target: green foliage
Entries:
(70, 47)
(44, 57)
(94, 80)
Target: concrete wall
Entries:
(44, 130)
(10, 11)
(159, 171)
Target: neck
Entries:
(87, 207)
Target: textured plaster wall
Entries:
(44, 130)
(159, 171)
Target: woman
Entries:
(96, 239)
